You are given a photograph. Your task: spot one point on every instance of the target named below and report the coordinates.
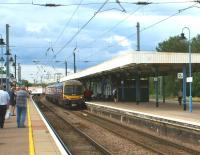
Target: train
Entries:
(68, 94)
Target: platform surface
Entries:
(170, 109)
(35, 139)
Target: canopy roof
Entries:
(141, 61)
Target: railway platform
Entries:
(170, 110)
(34, 139)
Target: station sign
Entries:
(180, 75)
(189, 79)
(155, 79)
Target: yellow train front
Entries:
(68, 94)
(73, 94)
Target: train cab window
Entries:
(75, 90)
(68, 90)
(78, 90)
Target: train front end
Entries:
(73, 94)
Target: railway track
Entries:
(153, 143)
(76, 141)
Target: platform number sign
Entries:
(180, 75)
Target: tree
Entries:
(196, 44)
(175, 44)
(196, 80)
(2, 71)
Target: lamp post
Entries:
(7, 59)
(189, 79)
(2, 43)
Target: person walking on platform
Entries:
(12, 100)
(180, 97)
(114, 93)
(4, 104)
(21, 104)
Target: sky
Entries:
(43, 38)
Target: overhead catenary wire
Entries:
(74, 36)
(154, 23)
(6, 3)
(148, 27)
(116, 25)
(101, 35)
(112, 27)
(179, 11)
(120, 22)
(96, 3)
(119, 3)
(67, 23)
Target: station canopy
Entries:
(142, 62)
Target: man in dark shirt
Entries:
(12, 100)
(21, 103)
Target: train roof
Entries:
(72, 82)
(68, 82)
(55, 85)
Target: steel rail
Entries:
(132, 140)
(163, 141)
(98, 146)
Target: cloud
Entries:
(35, 27)
(120, 40)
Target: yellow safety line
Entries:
(31, 143)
